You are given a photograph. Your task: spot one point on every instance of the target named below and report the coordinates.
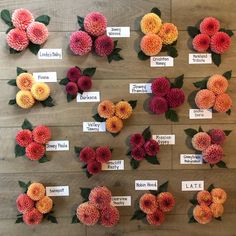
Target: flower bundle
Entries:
(25, 31)
(114, 114)
(93, 158)
(212, 93)
(97, 207)
(31, 142)
(158, 36)
(209, 37)
(209, 144)
(33, 204)
(77, 81)
(154, 205)
(92, 36)
(30, 91)
(142, 146)
(166, 97)
(207, 205)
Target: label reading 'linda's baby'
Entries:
(146, 184)
(58, 145)
(113, 165)
(199, 58)
(118, 32)
(54, 191)
(193, 185)
(88, 97)
(94, 126)
(192, 159)
(140, 88)
(120, 201)
(164, 61)
(45, 76)
(50, 53)
(200, 114)
(166, 139)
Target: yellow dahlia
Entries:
(106, 109)
(123, 110)
(114, 124)
(24, 99)
(25, 81)
(168, 33)
(150, 23)
(36, 191)
(40, 91)
(44, 205)
(218, 84)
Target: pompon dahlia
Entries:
(74, 73)
(87, 154)
(106, 109)
(40, 91)
(17, 39)
(25, 81)
(160, 86)
(138, 153)
(35, 151)
(175, 97)
(218, 84)
(33, 217)
(94, 167)
(114, 124)
(220, 42)
(80, 43)
(24, 99)
(151, 147)
(36, 191)
(201, 141)
(103, 154)
(151, 44)
(104, 45)
(218, 195)
(21, 18)
(150, 23)
(42, 134)
(213, 154)
(205, 99)
(166, 201)
(87, 213)
(100, 197)
(123, 110)
(95, 23)
(158, 105)
(157, 218)
(223, 103)
(201, 42)
(37, 33)
(24, 137)
(72, 88)
(204, 197)
(136, 140)
(24, 203)
(217, 209)
(202, 214)
(44, 205)
(168, 33)
(85, 83)
(148, 203)
(110, 216)
(209, 26)
(217, 136)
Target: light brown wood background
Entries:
(113, 82)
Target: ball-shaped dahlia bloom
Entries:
(201, 42)
(218, 84)
(87, 154)
(151, 147)
(223, 103)
(150, 23)
(168, 33)
(217, 136)
(201, 141)
(204, 197)
(148, 203)
(74, 73)
(138, 153)
(158, 105)
(36, 191)
(220, 42)
(21, 18)
(151, 44)
(209, 26)
(25, 81)
(157, 218)
(218, 195)
(114, 124)
(166, 201)
(213, 154)
(123, 110)
(24, 137)
(106, 109)
(136, 140)
(33, 217)
(17, 39)
(72, 88)
(37, 33)
(84, 83)
(202, 214)
(42, 134)
(35, 151)
(175, 97)
(24, 99)
(205, 99)
(103, 154)
(94, 167)
(40, 91)
(24, 203)
(217, 210)
(104, 45)
(44, 205)
(160, 86)
(110, 216)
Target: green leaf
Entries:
(193, 31)
(172, 51)
(147, 134)
(190, 132)
(48, 102)
(12, 102)
(34, 48)
(84, 192)
(138, 215)
(201, 84)
(80, 21)
(6, 17)
(163, 188)
(115, 55)
(98, 118)
(172, 115)
(75, 220)
(228, 112)
(12, 82)
(78, 150)
(13, 51)
(211, 165)
(24, 186)
(133, 103)
(19, 151)
(128, 153)
(200, 129)
(216, 58)
(43, 159)
(221, 164)
(20, 70)
(64, 81)
(153, 192)
(156, 11)
(227, 31)
(193, 201)
(88, 175)
(210, 188)
(134, 163)
(142, 56)
(52, 219)
(9, 29)
(218, 218)
(19, 220)
(45, 19)
(114, 134)
(192, 220)
(115, 43)
(27, 125)
(227, 132)
(152, 160)
(228, 74)
(70, 97)
(89, 71)
(179, 81)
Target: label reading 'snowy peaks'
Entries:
(146, 184)
(193, 185)
(164, 61)
(199, 58)
(140, 88)
(200, 114)
(191, 159)
(118, 32)
(52, 191)
(113, 165)
(120, 201)
(45, 76)
(94, 126)
(58, 145)
(166, 139)
(50, 53)
(88, 97)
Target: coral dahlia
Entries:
(217, 136)
(151, 147)
(151, 44)
(114, 124)
(175, 97)
(17, 39)
(24, 203)
(136, 140)
(35, 151)
(201, 141)
(150, 23)
(85, 83)
(44, 205)
(138, 153)
(110, 216)
(24, 99)
(158, 105)
(204, 197)
(36, 191)
(213, 154)
(160, 86)
(94, 167)
(103, 154)
(201, 42)
(74, 73)
(202, 214)
(104, 45)
(223, 103)
(220, 42)
(42, 134)
(87, 154)
(168, 33)
(218, 195)
(148, 203)
(123, 110)
(157, 218)
(106, 109)
(205, 99)
(21, 18)
(24, 137)
(217, 210)
(33, 217)
(40, 91)
(217, 84)
(166, 201)
(25, 81)
(37, 33)
(209, 26)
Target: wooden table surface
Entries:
(112, 80)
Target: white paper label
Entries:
(57, 191)
(94, 126)
(199, 58)
(164, 61)
(121, 200)
(50, 53)
(118, 32)
(193, 159)
(146, 185)
(45, 76)
(166, 139)
(200, 114)
(88, 97)
(113, 165)
(58, 145)
(140, 88)
(192, 185)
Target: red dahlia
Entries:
(24, 137)
(73, 74)
(201, 42)
(160, 86)
(209, 26)
(35, 151)
(103, 154)
(220, 42)
(151, 147)
(24, 203)
(175, 97)
(84, 83)
(41, 134)
(33, 217)
(87, 154)
(138, 153)
(136, 140)
(94, 167)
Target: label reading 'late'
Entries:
(45, 76)
(192, 185)
(200, 114)
(166, 139)
(57, 191)
(140, 88)
(113, 165)
(88, 97)
(118, 32)
(146, 184)
(58, 145)
(164, 61)
(192, 159)
(94, 126)
(199, 58)
(121, 201)
(50, 53)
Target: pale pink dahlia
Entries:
(37, 33)
(201, 42)
(17, 39)
(220, 42)
(201, 141)
(21, 18)
(213, 154)
(209, 26)
(104, 45)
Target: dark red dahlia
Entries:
(175, 97)
(94, 167)
(138, 153)
(87, 154)
(151, 147)
(73, 74)
(158, 105)
(136, 140)
(103, 154)
(84, 83)
(104, 45)
(72, 88)
(160, 86)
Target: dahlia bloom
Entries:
(106, 109)
(41, 134)
(151, 147)
(25, 81)
(217, 209)
(160, 86)
(17, 39)
(158, 105)
(209, 26)
(175, 97)
(201, 42)
(33, 217)
(24, 137)
(44, 205)
(110, 216)
(201, 141)
(220, 42)
(114, 124)
(205, 99)
(151, 44)
(218, 84)
(21, 18)
(40, 91)
(217, 136)
(84, 83)
(36, 191)
(150, 23)
(137, 140)
(138, 153)
(72, 88)
(166, 201)
(24, 99)
(35, 151)
(123, 110)
(213, 154)
(168, 33)
(202, 214)
(37, 33)
(204, 197)
(24, 203)
(87, 154)
(148, 203)
(94, 167)
(103, 154)
(223, 103)
(73, 74)
(104, 46)
(218, 195)
(157, 218)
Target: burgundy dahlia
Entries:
(175, 97)
(151, 147)
(103, 154)
(136, 140)
(158, 105)
(84, 83)
(217, 136)
(160, 86)
(138, 153)
(94, 167)
(87, 154)
(72, 88)
(73, 74)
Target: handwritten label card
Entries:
(53, 191)
(146, 184)
(194, 159)
(118, 32)
(199, 58)
(94, 126)
(200, 114)
(58, 145)
(120, 201)
(166, 139)
(164, 61)
(113, 165)
(88, 97)
(45, 76)
(50, 53)
(140, 88)
(192, 185)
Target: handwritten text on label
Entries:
(118, 32)
(57, 191)
(88, 97)
(164, 61)
(140, 88)
(194, 159)
(200, 114)
(199, 58)
(167, 139)
(113, 165)
(45, 76)
(58, 145)
(146, 184)
(94, 126)
(50, 53)
(121, 200)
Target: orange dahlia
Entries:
(202, 214)
(223, 102)
(168, 33)
(205, 99)
(148, 203)
(36, 191)
(44, 205)
(217, 209)
(156, 218)
(150, 23)
(151, 44)
(218, 195)
(166, 201)
(123, 110)
(40, 91)
(218, 84)
(204, 197)
(25, 81)
(106, 109)
(24, 99)
(114, 124)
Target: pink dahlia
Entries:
(110, 216)
(151, 147)
(35, 151)
(156, 218)
(209, 26)
(201, 141)
(175, 97)
(21, 18)
(136, 140)
(104, 45)
(80, 43)
(73, 74)
(94, 167)
(217, 136)
(87, 154)
(201, 42)
(160, 86)
(42, 134)
(138, 153)
(213, 154)
(24, 203)
(24, 137)
(220, 42)
(103, 154)
(33, 217)
(95, 23)
(17, 39)
(72, 88)
(84, 83)
(158, 105)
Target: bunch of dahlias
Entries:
(114, 114)
(166, 97)
(208, 204)
(158, 36)
(92, 36)
(142, 146)
(31, 142)
(93, 158)
(77, 81)
(209, 37)
(33, 204)
(154, 205)
(97, 207)
(213, 93)
(209, 144)
(25, 31)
